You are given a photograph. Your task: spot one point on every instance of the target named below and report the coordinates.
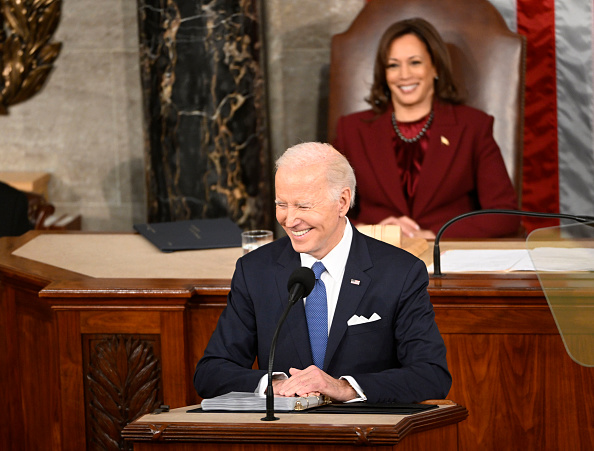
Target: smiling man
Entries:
(366, 332)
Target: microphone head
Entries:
(305, 277)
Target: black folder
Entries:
(192, 234)
(373, 408)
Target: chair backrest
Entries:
(487, 58)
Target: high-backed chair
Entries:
(488, 62)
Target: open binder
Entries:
(252, 402)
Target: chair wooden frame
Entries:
(39, 210)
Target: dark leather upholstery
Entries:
(488, 61)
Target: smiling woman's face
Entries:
(410, 74)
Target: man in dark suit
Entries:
(382, 341)
(13, 213)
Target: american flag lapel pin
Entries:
(355, 282)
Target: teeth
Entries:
(300, 232)
(408, 88)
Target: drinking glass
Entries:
(253, 239)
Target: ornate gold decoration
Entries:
(26, 53)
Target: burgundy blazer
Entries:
(462, 171)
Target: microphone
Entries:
(300, 284)
(436, 251)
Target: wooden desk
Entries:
(178, 430)
(84, 351)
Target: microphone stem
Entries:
(436, 259)
(269, 391)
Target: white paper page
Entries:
(503, 260)
(472, 260)
(563, 259)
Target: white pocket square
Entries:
(356, 319)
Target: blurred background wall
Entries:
(85, 126)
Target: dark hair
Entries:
(445, 88)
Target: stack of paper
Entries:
(253, 402)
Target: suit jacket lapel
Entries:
(296, 322)
(382, 158)
(443, 142)
(351, 294)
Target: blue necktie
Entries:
(316, 311)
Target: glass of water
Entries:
(253, 239)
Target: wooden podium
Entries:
(179, 431)
(97, 330)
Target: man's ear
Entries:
(345, 201)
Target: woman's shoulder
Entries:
(360, 115)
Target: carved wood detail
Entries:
(122, 382)
(363, 434)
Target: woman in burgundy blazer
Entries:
(420, 157)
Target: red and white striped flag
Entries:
(559, 103)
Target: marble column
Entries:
(205, 119)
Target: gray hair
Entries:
(339, 173)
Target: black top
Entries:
(14, 205)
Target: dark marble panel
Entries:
(206, 140)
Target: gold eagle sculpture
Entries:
(26, 53)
